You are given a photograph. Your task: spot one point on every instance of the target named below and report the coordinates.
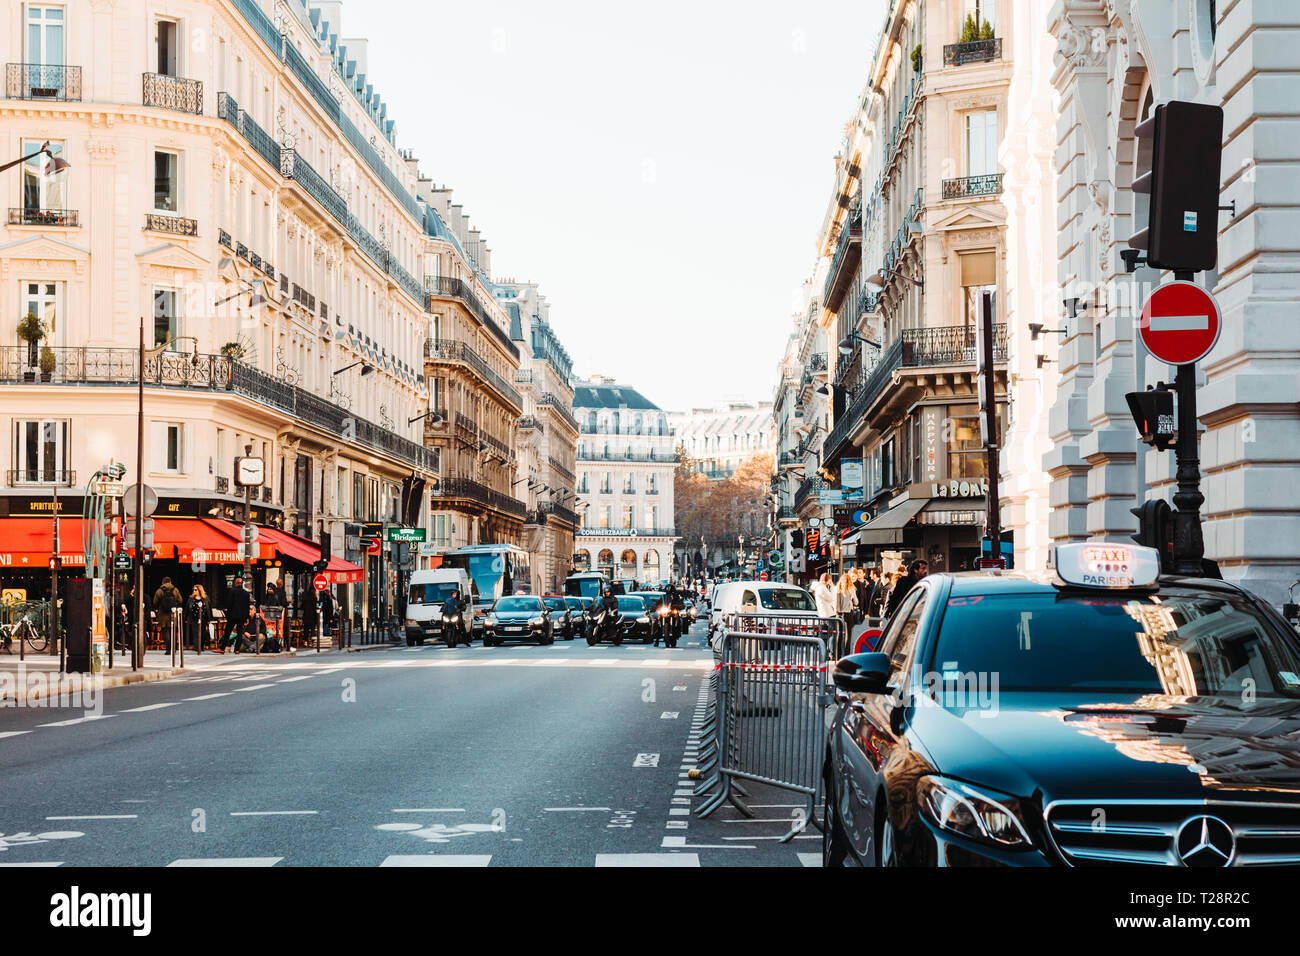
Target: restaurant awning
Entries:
(28, 542)
(887, 528)
(306, 552)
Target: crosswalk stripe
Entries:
(210, 696)
(435, 859)
(810, 859)
(254, 687)
(647, 859)
(35, 863)
(15, 733)
(137, 710)
(229, 861)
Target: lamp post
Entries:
(57, 165)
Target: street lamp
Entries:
(876, 284)
(57, 165)
(846, 343)
(366, 369)
(434, 418)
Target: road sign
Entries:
(150, 501)
(404, 534)
(122, 561)
(319, 582)
(146, 531)
(108, 487)
(762, 575)
(373, 545)
(1180, 323)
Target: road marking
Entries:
(677, 841)
(273, 813)
(435, 859)
(431, 810)
(646, 760)
(647, 859)
(254, 687)
(35, 863)
(224, 693)
(78, 720)
(15, 733)
(675, 825)
(290, 680)
(1179, 323)
(228, 861)
(101, 816)
(810, 859)
(678, 801)
(802, 836)
(137, 710)
(683, 793)
(668, 715)
(574, 809)
(679, 812)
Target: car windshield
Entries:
(575, 603)
(631, 605)
(432, 593)
(554, 604)
(584, 587)
(786, 599)
(516, 604)
(1178, 644)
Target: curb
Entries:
(368, 647)
(75, 683)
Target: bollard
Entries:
(320, 626)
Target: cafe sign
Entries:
(953, 488)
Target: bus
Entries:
(497, 570)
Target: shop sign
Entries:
(953, 488)
(930, 437)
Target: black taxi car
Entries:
(1100, 714)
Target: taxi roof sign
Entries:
(1106, 565)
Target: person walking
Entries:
(237, 606)
(862, 589)
(327, 611)
(197, 613)
(166, 600)
(875, 594)
(824, 596)
(846, 601)
(915, 572)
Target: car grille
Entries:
(1107, 833)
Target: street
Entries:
(565, 755)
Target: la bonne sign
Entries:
(959, 489)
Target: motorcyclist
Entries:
(608, 606)
(453, 604)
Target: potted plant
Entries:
(970, 31)
(47, 363)
(916, 58)
(233, 350)
(31, 330)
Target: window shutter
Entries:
(186, 456)
(157, 450)
(978, 269)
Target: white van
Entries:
(759, 597)
(427, 591)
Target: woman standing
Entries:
(198, 611)
(824, 595)
(846, 601)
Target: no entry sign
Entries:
(1180, 323)
(319, 582)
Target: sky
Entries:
(661, 170)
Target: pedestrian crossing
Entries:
(634, 860)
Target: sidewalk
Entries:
(39, 673)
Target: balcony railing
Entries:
(175, 225)
(990, 185)
(666, 457)
(44, 217)
(531, 422)
(559, 467)
(223, 485)
(789, 459)
(559, 511)
(173, 93)
(293, 166)
(848, 253)
(976, 51)
(40, 81)
(108, 367)
(557, 405)
(786, 513)
(471, 490)
(449, 350)
(449, 288)
(809, 486)
(497, 445)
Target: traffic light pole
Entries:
(1189, 543)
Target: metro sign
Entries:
(1180, 323)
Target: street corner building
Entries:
(626, 462)
(232, 228)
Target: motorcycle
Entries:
(452, 629)
(605, 624)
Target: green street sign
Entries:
(404, 534)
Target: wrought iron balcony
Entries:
(790, 459)
(223, 239)
(629, 455)
(497, 445)
(470, 490)
(449, 288)
(173, 93)
(975, 51)
(808, 487)
(40, 81)
(44, 217)
(261, 141)
(559, 467)
(175, 225)
(848, 253)
(531, 422)
(558, 511)
(559, 407)
(968, 186)
(449, 350)
(293, 166)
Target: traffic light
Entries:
(320, 565)
(1153, 413)
(1156, 529)
(1178, 156)
(147, 556)
(56, 562)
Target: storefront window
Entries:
(966, 458)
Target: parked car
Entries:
(520, 617)
(561, 617)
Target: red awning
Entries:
(27, 542)
(305, 551)
(208, 540)
(339, 571)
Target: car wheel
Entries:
(410, 641)
(835, 843)
(886, 854)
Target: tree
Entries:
(719, 512)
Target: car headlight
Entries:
(643, 620)
(663, 611)
(411, 622)
(453, 618)
(490, 621)
(961, 809)
(538, 621)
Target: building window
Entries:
(650, 563)
(652, 485)
(45, 301)
(982, 143)
(627, 517)
(168, 441)
(340, 505)
(652, 517)
(45, 35)
(41, 190)
(359, 497)
(582, 484)
(41, 450)
(166, 316)
(981, 12)
(966, 455)
(607, 483)
(168, 48)
(978, 275)
(165, 179)
(627, 563)
(606, 516)
(605, 562)
(629, 484)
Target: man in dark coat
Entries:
(238, 604)
(915, 572)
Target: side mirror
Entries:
(863, 673)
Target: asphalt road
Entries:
(518, 755)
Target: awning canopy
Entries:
(306, 552)
(28, 542)
(887, 528)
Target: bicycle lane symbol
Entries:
(28, 839)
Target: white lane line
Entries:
(430, 810)
(679, 812)
(99, 816)
(648, 859)
(273, 813)
(254, 687)
(290, 680)
(574, 809)
(229, 861)
(810, 859)
(673, 842)
(79, 720)
(434, 859)
(35, 863)
(224, 693)
(801, 836)
(137, 710)
(14, 733)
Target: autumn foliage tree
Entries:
(719, 512)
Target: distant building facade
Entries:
(718, 440)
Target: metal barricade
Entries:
(770, 698)
(831, 631)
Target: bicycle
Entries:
(25, 631)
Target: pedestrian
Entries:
(197, 614)
(308, 610)
(238, 604)
(824, 596)
(327, 611)
(862, 589)
(166, 600)
(915, 572)
(846, 601)
(875, 594)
